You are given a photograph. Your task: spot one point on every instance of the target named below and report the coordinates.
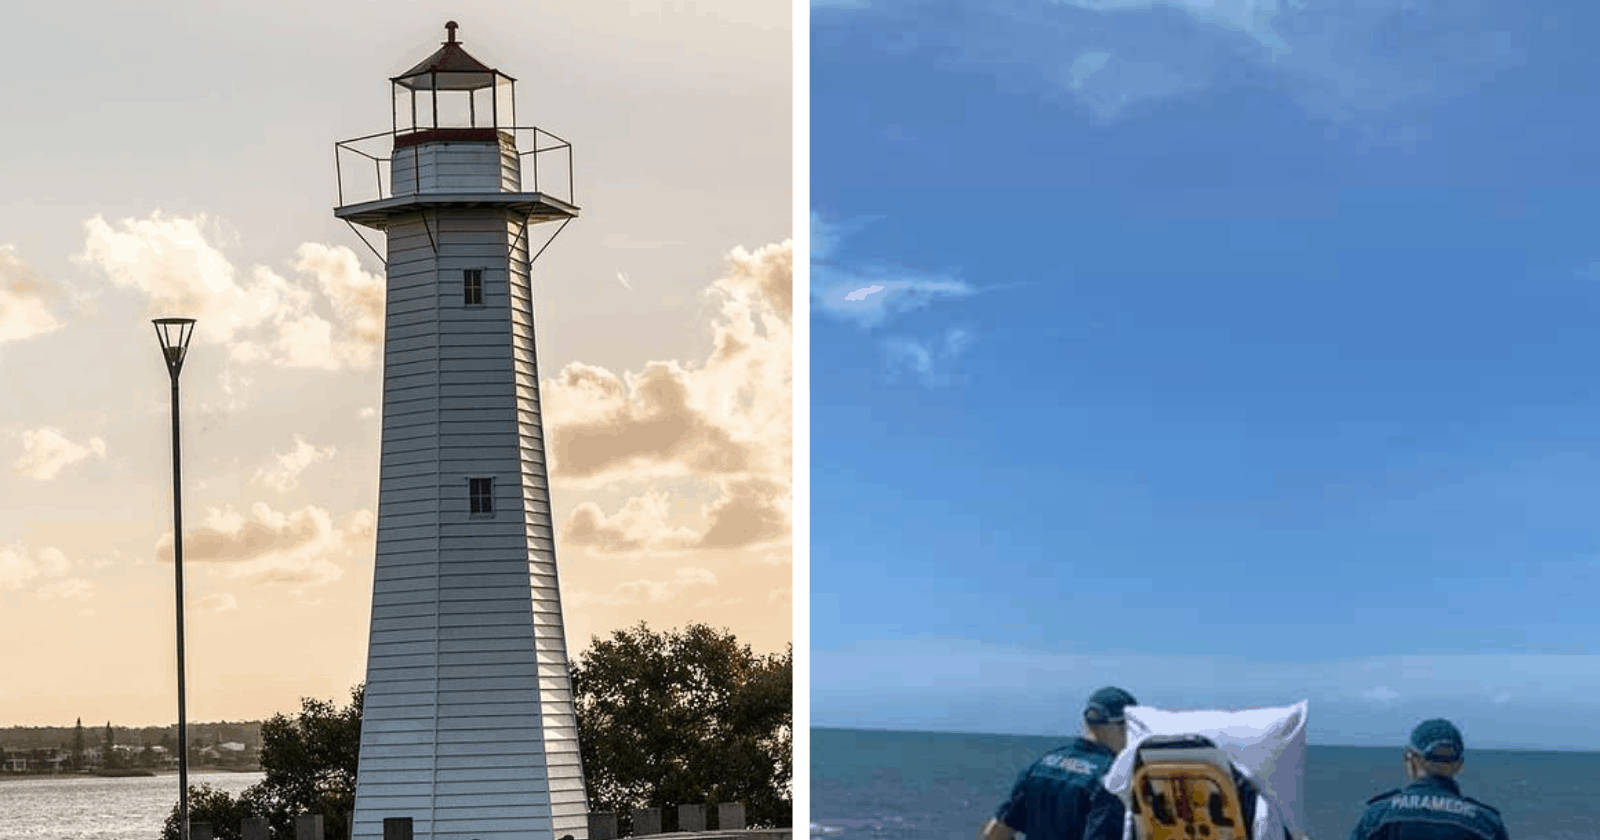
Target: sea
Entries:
(93, 808)
(874, 785)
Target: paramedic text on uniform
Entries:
(1052, 797)
(1431, 807)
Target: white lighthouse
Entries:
(469, 730)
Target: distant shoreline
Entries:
(947, 734)
(125, 774)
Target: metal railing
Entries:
(383, 165)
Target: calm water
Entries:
(88, 808)
(905, 785)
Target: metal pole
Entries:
(177, 566)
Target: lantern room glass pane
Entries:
(502, 104)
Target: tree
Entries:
(211, 805)
(310, 768)
(663, 719)
(683, 718)
(77, 745)
(107, 741)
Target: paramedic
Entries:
(1431, 807)
(1051, 798)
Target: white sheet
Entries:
(1267, 745)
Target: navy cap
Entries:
(1106, 705)
(1438, 740)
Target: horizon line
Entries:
(1397, 745)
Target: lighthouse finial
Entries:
(450, 28)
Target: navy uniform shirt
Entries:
(1428, 809)
(1051, 798)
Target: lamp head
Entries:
(174, 335)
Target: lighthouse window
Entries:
(472, 285)
(481, 493)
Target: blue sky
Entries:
(1233, 357)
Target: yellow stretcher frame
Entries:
(1183, 794)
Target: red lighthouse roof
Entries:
(450, 68)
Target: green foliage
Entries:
(309, 763)
(676, 718)
(211, 805)
(683, 718)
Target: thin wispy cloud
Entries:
(1380, 694)
(25, 300)
(71, 589)
(46, 452)
(623, 279)
(282, 471)
(928, 361)
(1331, 76)
(870, 293)
(19, 566)
(684, 582)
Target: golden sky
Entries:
(665, 341)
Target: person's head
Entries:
(1436, 749)
(1103, 721)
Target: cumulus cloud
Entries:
(726, 419)
(46, 452)
(282, 472)
(641, 524)
(18, 566)
(750, 512)
(24, 299)
(258, 315)
(300, 547)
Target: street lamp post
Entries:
(174, 335)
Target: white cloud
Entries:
(24, 300)
(662, 591)
(47, 451)
(218, 603)
(76, 589)
(641, 525)
(1380, 694)
(258, 316)
(282, 472)
(726, 418)
(869, 293)
(300, 547)
(926, 360)
(18, 567)
(1086, 66)
(1250, 16)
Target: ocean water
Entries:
(90, 808)
(870, 785)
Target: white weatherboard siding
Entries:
(469, 726)
(456, 166)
